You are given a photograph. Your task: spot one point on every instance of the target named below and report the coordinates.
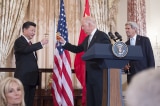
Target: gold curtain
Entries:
(11, 16)
(105, 12)
(12, 13)
(45, 14)
(99, 11)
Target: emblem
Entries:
(120, 49)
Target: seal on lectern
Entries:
(120, 49)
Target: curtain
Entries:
(12, 13)
(45, 14)
(137, 13)
(105, 13)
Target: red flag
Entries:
(79, 64)
(62, 80)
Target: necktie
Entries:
(30, 43)
(89, 40)
(34, 52)
(132, 42)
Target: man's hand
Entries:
(60, 38)
(44, 41)
(127, 67)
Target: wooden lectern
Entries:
(111, 67)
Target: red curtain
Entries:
(136, 11)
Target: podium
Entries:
(111, 67)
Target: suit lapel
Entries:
(128, 42)
(36, 55)
(138, 40)
(24, 40)
(93, 39)
(34, 52)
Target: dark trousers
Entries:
(29, 91)
(129, 78)
(94, 87)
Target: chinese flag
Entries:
(79, 64)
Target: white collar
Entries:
(26, 38)
(93, 32)
(134, 37)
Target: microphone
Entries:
(118, 36)
(111, 36)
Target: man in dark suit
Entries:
(26, 60)
(94, 74)
(148, 58)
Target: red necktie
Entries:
(30, 43)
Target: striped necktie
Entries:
(89, 40)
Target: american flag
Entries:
(62, 79)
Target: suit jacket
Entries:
(98, 37)
(26, 61)
(94, 74)
(148, 57)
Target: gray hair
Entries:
(144, 89)
(90, 20)
(133, 25)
